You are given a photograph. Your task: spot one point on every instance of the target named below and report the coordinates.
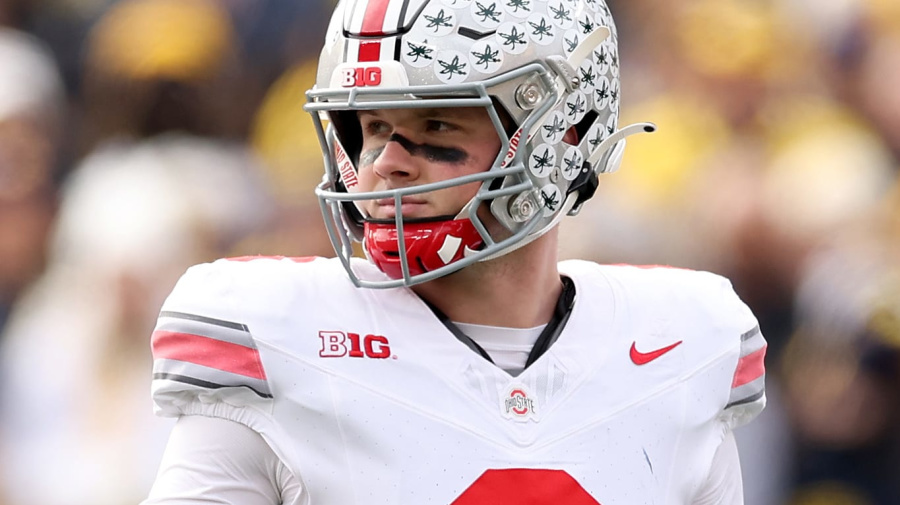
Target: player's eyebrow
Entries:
(428, 113)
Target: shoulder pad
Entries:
(202, 350)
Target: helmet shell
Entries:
(526, 61)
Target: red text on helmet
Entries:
(361, 77)
(345, 167)
(513, 147)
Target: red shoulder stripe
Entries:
(649, 267)
(298, 259)
(208, 352)
(750, 368)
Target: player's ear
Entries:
(571, 136)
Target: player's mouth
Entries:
(410, 207)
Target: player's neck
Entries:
(517, 290)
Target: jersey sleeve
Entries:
(205, 358)
(724, 484)
(747, 393)
(211, 460)
(748, 386)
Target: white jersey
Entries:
(367, 398)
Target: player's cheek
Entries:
(365, 172)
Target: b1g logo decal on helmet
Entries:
(361, 76)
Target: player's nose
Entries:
(396, 162)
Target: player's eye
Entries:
(435, 125)
(375, 127)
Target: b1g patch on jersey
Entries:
(337, 344)
(517, 404)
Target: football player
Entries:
(461, 363)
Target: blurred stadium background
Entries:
(138, 137)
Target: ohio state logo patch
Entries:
(518, 405)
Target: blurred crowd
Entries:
(138, 137)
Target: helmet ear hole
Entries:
(585, 124)
(349, 132)
(509, 124)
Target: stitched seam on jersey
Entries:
(677, 448)
(615, 297)
(544, 442)
(652, 394)
(234, 413)
(230, 412)
(340, 426)
(435, 416)
(700, 483)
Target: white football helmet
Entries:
(546, 65)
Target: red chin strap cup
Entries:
(429, 245)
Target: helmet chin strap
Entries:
(584, 48)
(610, 143)
(566, 75)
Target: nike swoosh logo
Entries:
(642, 358)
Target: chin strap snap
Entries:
(585, 185)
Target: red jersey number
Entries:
(525, 486)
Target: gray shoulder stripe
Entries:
(749, 399)
(203, 319)
(752, 345)
(174, 367)
(202, 383)
(195, 327)
(750, 334)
